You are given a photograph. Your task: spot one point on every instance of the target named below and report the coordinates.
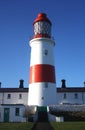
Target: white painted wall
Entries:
(70, 98)
(14, 99)
(55, 118)
(12, 116)
(38, 46)
(1, 98)
(41, 95)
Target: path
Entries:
(42, 126)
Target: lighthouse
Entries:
(42, 80)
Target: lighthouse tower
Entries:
(42, 83)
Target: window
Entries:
(76, 95)
(8, 96)
(42, 98)
(20, 96)
(64, 96)
(16, 111)
(46, 85)
(45, 52)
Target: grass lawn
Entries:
(68, 125)
(16, 126)
(56, 126)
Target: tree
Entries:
(29, 112)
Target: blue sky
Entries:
(68, 29)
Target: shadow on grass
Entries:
(42, 126)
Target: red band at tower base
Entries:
(42, 73)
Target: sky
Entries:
(68, 30)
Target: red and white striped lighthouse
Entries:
(42, 83)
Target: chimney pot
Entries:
(0, 84)
(21, 83)
(84, 84)
(63, 83)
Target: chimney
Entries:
(21, 83)
(0, 84)
(63, 83)
(84, 84)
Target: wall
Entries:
(70, 98)
(14, 99)
(12, 116)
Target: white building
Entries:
(14, 100)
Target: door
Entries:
(42, 114)
(6, 114)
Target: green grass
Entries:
(16, 126)
(68, 126)
(56, 126)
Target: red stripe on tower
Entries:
(42, 73)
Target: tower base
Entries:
(42, 94)
(42, 114)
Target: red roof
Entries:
(41, 17)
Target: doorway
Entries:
(42, 114)
(6, 114)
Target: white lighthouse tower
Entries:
(42, 83)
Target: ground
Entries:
(42, 126)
